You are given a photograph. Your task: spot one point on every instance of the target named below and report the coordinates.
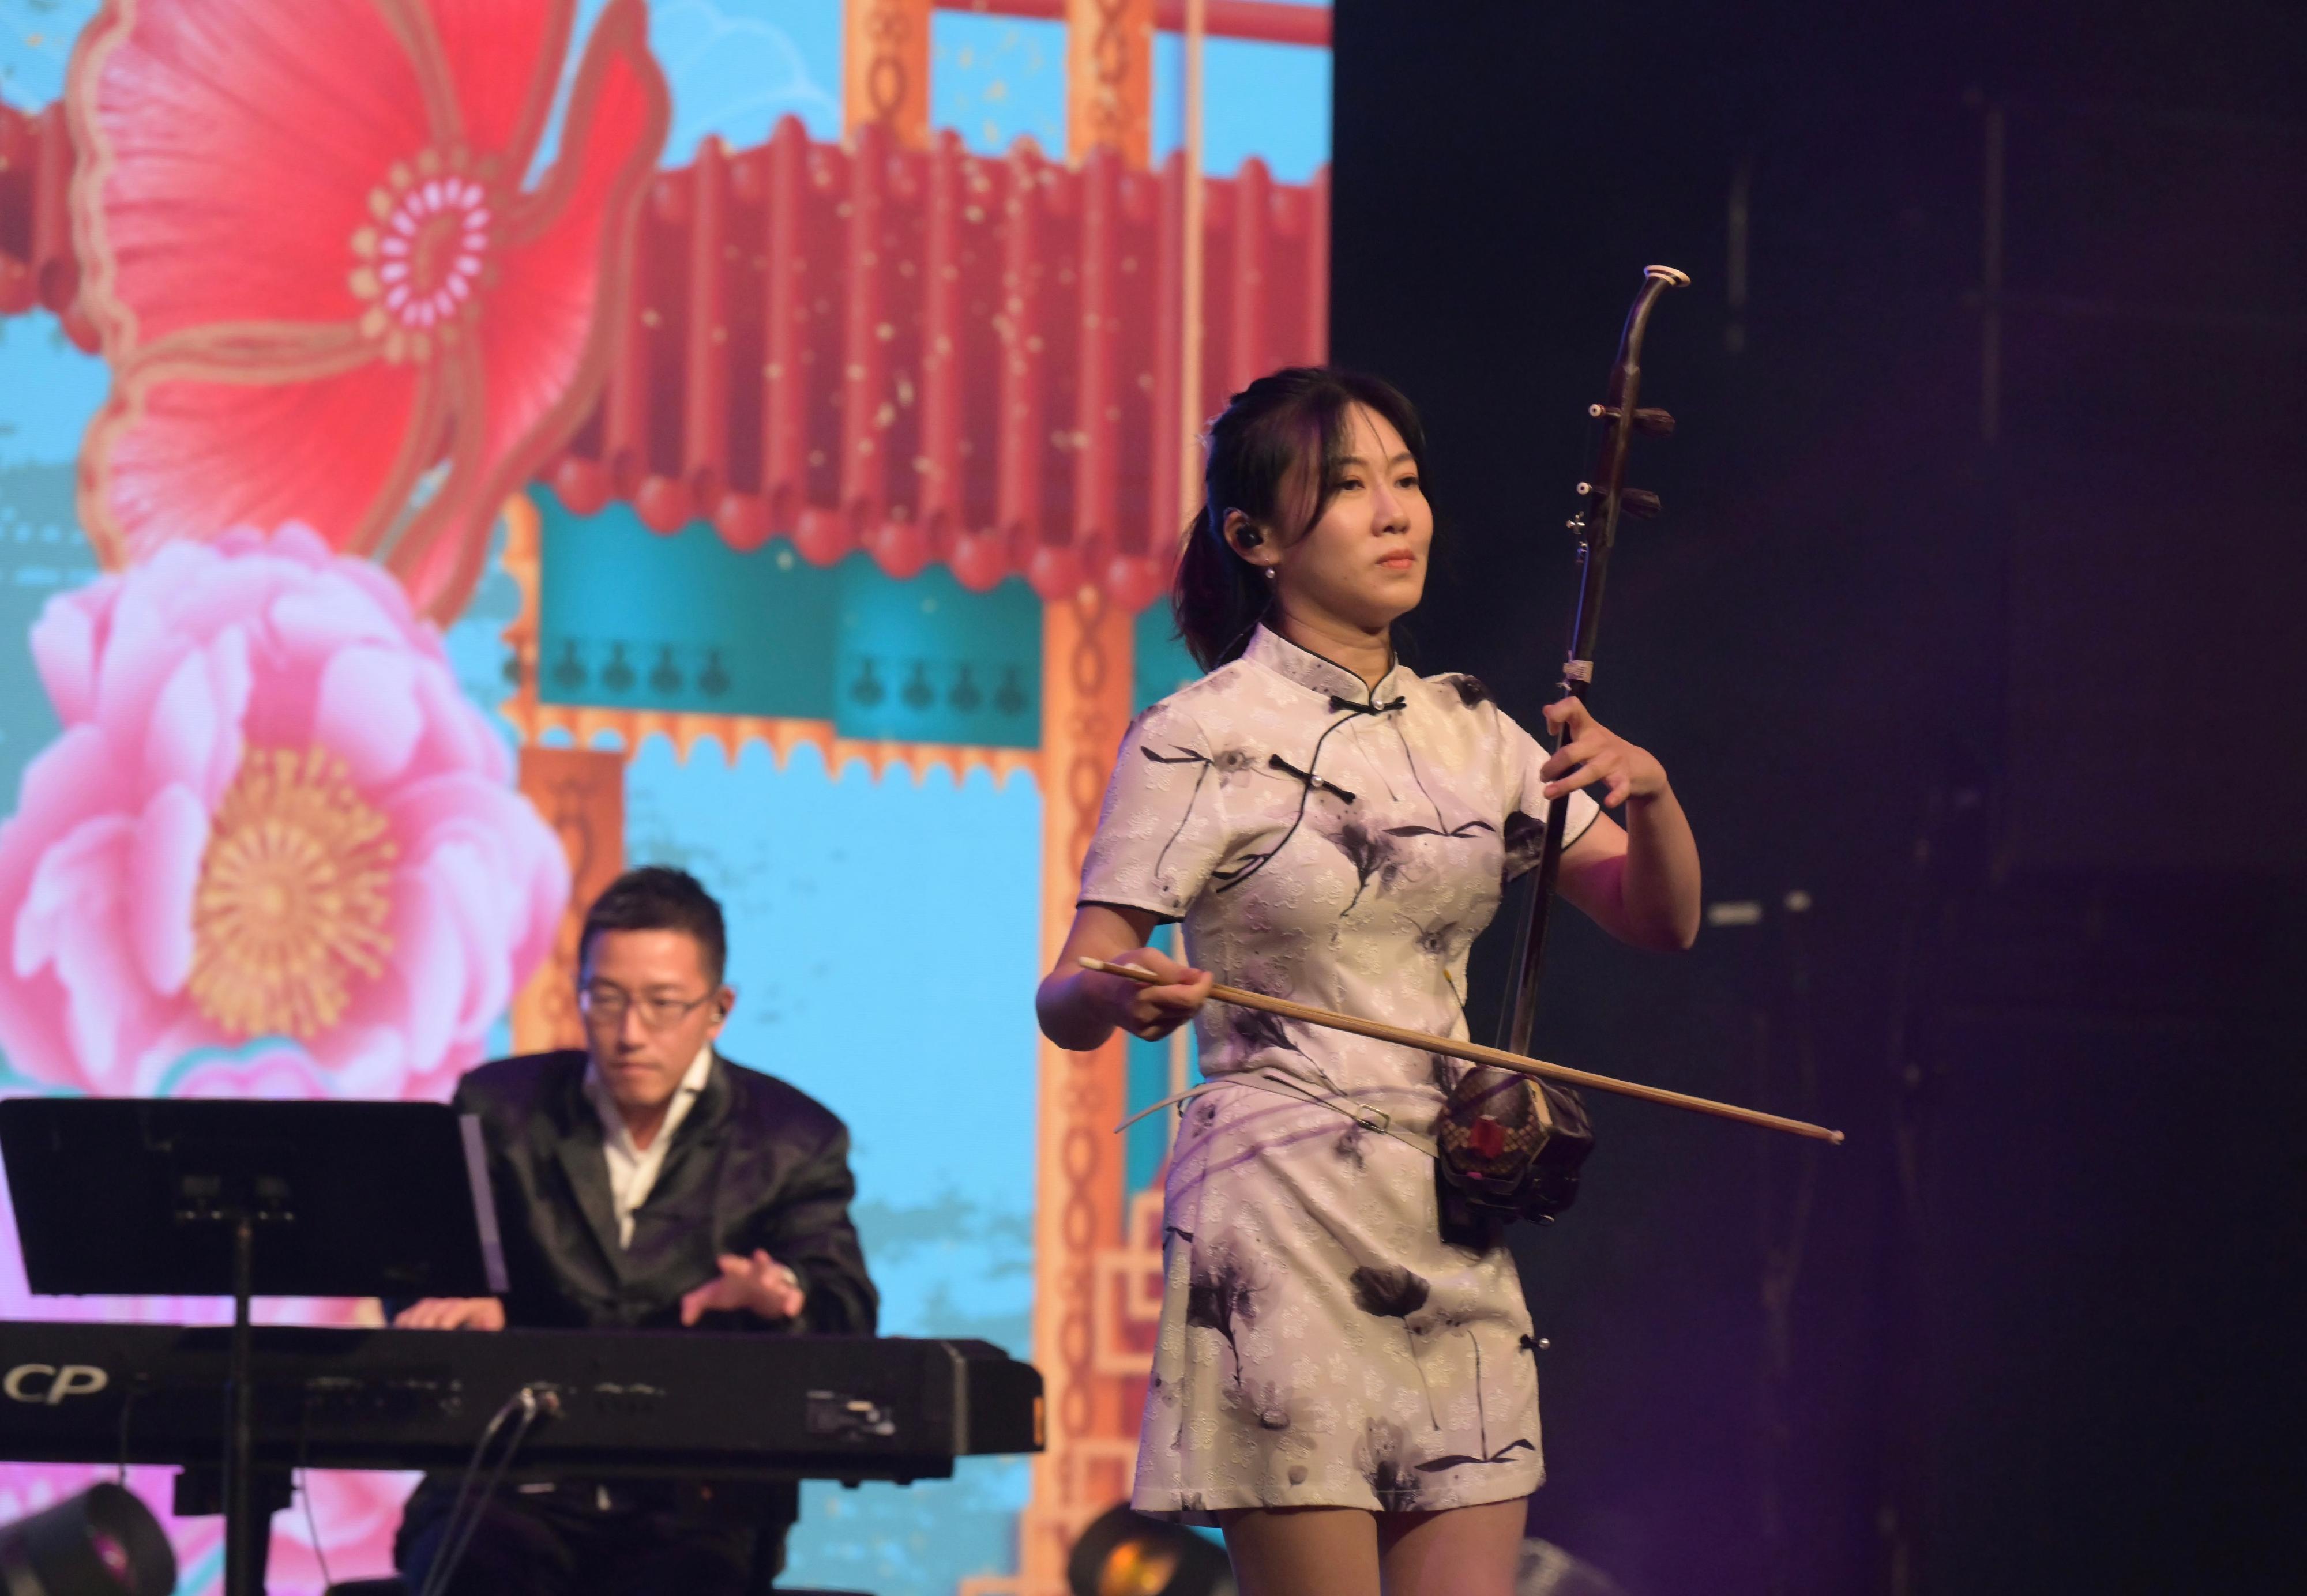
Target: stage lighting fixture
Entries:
(1125, 1554)
(103, 1542)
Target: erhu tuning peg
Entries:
(1638, 501)
(1656, 424)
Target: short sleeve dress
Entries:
(1321, 1344)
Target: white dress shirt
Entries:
(633, 1170)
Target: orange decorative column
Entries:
(1093, 1296)
(579, 791)
(885, 73)
(1078, 1211)
(581, 794)
(1109, 79)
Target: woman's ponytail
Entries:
(1218, 597)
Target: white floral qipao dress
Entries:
(1321, 1344)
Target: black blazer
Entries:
(755, 1163)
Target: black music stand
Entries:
(167, 1197)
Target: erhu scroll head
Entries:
(1671, 277)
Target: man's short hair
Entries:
(659, 898)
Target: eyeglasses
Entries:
(607, 1005)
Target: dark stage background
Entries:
(1974, 616)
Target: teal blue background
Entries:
(883, 936)
(628, 620)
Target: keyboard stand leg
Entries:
(200, 1493)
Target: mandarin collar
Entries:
(1312, 671)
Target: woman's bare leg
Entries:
(1460, 1551)
(1303, 1551)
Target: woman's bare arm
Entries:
(1640, 884)
(1079, 1009)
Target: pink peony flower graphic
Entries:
(264, 1070)
(271, 814)
(318, 269)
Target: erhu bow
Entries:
(1472, 1053)
(1596, 525)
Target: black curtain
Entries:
(1970, 638)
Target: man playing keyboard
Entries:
(646, 1182)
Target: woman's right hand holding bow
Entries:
(1080, 1008)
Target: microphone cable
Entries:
(531, 1403)
(303, 1476)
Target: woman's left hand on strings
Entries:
(1590, 753)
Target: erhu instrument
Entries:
(1596, 528)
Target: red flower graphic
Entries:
(318, 274)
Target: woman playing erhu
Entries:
(1350, 1396)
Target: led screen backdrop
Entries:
(451, 451)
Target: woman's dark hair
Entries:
(659, 898)
(1277, 454)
